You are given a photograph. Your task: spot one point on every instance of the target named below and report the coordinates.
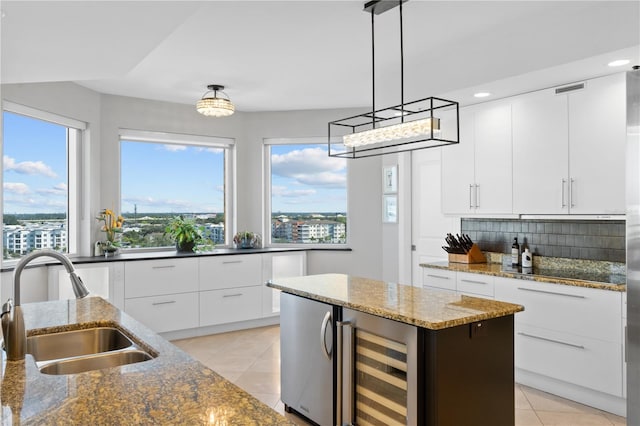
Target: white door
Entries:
(429, 225)
(597, 142)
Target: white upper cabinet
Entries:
(540, 153)
(568, 149)
(597, 143)
(477, 172)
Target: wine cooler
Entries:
(379, 377)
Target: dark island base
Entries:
(467, 375)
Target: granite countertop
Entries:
(583, 277)
(172, 388)
(425, 308)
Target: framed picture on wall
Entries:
(390, 208)
(389, 179)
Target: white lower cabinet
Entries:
(477, 285)
(568, 340)
(165, 313)
(230, 305)
(438, 279)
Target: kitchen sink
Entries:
(77, 351)
(67, 344)
(95, 362)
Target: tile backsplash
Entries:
(577, 239)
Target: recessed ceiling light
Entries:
(618, 63)
(482, 94)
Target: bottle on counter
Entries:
(515, 252)
(527, 258)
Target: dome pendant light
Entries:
(214, 106)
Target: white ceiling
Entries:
(286, 55)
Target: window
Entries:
(167, 175)
(40, 165)
(306, 192)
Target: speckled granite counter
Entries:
(172, 388)
(585, 277)
(430, 309)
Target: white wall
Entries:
(106, 114)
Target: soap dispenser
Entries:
(527, 258)
(515, 252)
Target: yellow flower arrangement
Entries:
(112, 225)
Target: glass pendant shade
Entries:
(214, 106)
(412, 129)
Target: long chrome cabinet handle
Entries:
(323, 332)
(231, 261)
(562, 194)
(163, 267)
(163, 303)
(571, 181)
(470, 196)
(474, 282)
(575, 296)
(233, 295)
(477, 196)
(438, 276)
(546, 339)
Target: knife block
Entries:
(474, 255)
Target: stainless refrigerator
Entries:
(633, 247)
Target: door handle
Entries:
(571, 181)
(546, 339)
(562, 194)
(163, 303)
(575, 296)
(477, 196)
(339, 366)
(470, 196)
(323, 333)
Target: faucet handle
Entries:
(7, 308)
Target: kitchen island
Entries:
(440, 358)
(171, 388)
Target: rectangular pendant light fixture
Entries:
(425, 123)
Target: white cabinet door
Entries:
(165, 313)
(230, 305)
(493, 174)
(540, 153)
(597, 143)
(241, 270)
(157, 277)
(475, 284)
(458, 184)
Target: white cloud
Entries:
(283, 191)
(311, 166)
(150, 204)
(59, 189)
(174, 148)
(211, 150)
(16, 187)
(27, 167)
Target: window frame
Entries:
(266, 164)
(226, 143)
(77, 135)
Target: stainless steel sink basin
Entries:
(95, 362)
(77, 351)
(76, 343)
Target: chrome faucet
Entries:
(15, 336)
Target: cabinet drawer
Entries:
(580, 311)
(165, 313)
(575, 359)
(230, 305)
(157, 277)
(439, 278)
(243, 270)
(475, 284)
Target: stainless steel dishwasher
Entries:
(307, 355)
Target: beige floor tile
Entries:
(266, 365)
(616, 420)
(231, 376)
(556, 418)
(527, 418)
(229, 362)
(544, 401)
(521, 400)
(259, 382)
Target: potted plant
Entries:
(112, 226)
(185, 232)
(247, 239)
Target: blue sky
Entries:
(160, 177)
(34, 166)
